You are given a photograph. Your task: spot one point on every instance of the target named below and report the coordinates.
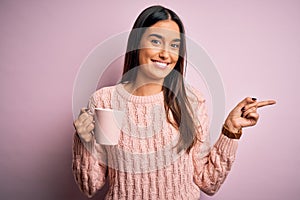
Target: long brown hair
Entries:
(175, 97)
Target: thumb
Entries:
(83, 110)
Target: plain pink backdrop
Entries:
(254, 44)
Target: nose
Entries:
(164, 53)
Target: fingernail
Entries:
(243, 109)
(253, 98)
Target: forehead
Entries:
(165, 28)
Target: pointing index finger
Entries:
(265, 103)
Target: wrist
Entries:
(86, 137)
(231, 134)
(231, 127)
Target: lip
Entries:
(160, 63)
(153, 60)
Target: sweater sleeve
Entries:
(211, 164)
(89, 162)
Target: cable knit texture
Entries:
(144, 165)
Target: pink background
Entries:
(254, 44)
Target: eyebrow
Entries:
(161, 37)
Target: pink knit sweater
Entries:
(143, 165)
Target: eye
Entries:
(155, 42)
(175, 45)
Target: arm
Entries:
(88, 162)
(211, 164)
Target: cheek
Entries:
(146, 54)
(175, 57)
(142, 56)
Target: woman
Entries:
(163, 150)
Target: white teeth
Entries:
(161, 64)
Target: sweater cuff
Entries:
(226, 145)
(82, 148)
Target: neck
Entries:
(144, 89)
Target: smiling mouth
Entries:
(160, 64)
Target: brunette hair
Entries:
(175, 97)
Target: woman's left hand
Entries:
(245, 114)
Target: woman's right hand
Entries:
(84, 125)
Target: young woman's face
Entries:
(159, 51)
